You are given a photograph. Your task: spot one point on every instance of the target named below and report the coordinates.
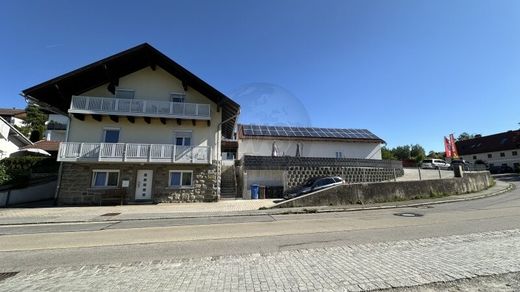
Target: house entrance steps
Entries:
(228, 184)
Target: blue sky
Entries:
(410, 71)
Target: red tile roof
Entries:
(45, 145)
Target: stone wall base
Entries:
(76, 182)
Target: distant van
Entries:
(435, 164)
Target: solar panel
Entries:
(288, 131)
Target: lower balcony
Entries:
(132, 152)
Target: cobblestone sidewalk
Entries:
(345, 268)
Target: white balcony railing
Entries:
(132, 152)
(139, 107)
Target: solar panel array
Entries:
(281, 131)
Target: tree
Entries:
(35, 122)
(465, 136)
(402, 152)
(417, 150)
(387, 154)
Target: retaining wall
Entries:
(392, 191)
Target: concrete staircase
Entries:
(228, 183)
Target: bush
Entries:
(18, 169)
(4, 176)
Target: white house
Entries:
(11, 140)
(307, 142)
(496, 150)
(140, 124)
(14, 116)
(56, 128)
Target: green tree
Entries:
(387, 154)
(465, 136)
(35, 121)
(416, 151)
(402, 152)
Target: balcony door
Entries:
(143, 184)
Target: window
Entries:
(502, 154)
(474, 157)
(180, 178)
(125, 93)
(177, 97)
(490, 155)
(514, 153)
(339, 155)
(182, 138)
(105, 178)
(110, 135)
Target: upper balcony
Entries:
(139, 107)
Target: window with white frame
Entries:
(177, 96)
(125, 93)
(180, 179)
(105, 178)
(111, 135)
(182, 138)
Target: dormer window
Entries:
(125, 93)
(177, 96)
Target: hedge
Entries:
(19, 169)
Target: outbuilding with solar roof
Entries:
(263, 140)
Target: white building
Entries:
(307, 142)
(11, 140)
(14, 116)
(139, 124)
(56, 128)
(496, 150)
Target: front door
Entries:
(143, 186)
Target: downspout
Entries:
(60, 170)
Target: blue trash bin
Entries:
(254, 191)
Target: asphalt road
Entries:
(49, 245)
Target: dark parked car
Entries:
(456, 162)
(315, 184)
(501, 169)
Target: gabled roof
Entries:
(11, 111)
(307, 133)
(56, 93)
(492, 143)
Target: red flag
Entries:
(447, 147)
(454, 152)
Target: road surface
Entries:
(473, 230)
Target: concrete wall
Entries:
(263, 147)
(392, 191)
(261, 177)
(33, 193)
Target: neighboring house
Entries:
(51, 147)
(140, 123)
(307, 142)
(496, 150)
(11, 140)
(56, 128)
(14, 116)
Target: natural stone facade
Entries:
(76, 181)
